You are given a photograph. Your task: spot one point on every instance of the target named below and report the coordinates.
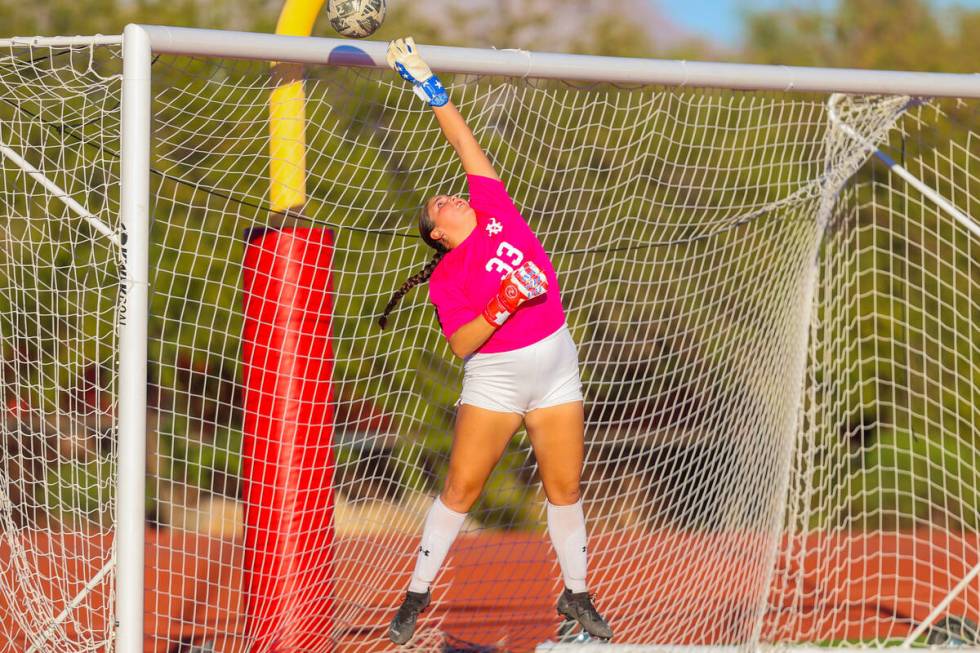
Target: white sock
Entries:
(566, 526)
(440, 530)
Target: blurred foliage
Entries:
(373, 158)
(80, 493)
(898, 35)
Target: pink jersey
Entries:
(469, 275)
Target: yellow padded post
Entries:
(287, 113)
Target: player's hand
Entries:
(405, 59)
(524, 283)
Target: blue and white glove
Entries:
(405, 59)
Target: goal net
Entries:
(777, 332)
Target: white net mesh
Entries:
(888, 461)
(59, 286)
(779, 361)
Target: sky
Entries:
(719, 20)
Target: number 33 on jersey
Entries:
(508, 259)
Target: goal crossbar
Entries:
(569, 67)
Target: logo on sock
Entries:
(424, 551)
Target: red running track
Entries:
(500, 587)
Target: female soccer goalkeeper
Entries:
(497, 299)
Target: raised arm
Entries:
(457, 132)
(404, 57)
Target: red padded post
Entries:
(287, 462)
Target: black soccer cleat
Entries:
(403, 625)
(578, 607)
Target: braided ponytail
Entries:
(414, 280)
(425, 231)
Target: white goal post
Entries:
(759, 296)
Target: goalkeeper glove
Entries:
(524, 283)
(404, 57)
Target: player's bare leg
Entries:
(478, 443)
(479, 440)
(557, 434)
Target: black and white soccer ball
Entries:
(356, 19)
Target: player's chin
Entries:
(464, 217)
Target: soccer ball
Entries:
(356, 19)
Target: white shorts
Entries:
(519, 381)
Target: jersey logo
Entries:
(494, 227)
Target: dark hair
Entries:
(425, 230)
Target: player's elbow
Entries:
(459, 350)
(459, 346)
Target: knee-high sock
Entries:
(440, 530)
(566, 526)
